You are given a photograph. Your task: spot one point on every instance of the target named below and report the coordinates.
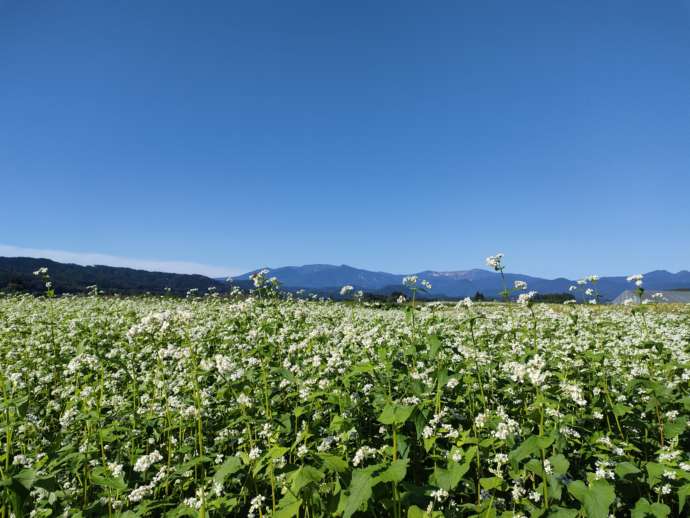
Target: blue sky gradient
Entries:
(395, 136)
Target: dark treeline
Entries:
(16, 275)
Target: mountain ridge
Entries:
(16, 274)
(456, 283)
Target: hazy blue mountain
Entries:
(461, 283)
(661, 279)
(328, 276)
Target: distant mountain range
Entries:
(328, 279)
(16, 274)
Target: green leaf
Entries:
(555, 488)
(596, 499)
(201, 459)
(683, 493)
(358, 493)
(535, 466)
(449, 478)
(578, 489)
(626, 468)
(102, 478)
(19, 490)
(675, 428)
(277, 451)
(434, 345)
(563, 512)
(334, 462)
(395, 414)
(544, 442)
(230, 466)
(403, 446)
(620, 409)
(559, 464)
(26, 478)
(338, 424)
(304, 476)
(361, 368)
(288, 507)
(415, 512)
(395, 472)
(644, 508)
(655, 472)
(491, 482)
(602, 494)
(179, 512)
(528, 448)
(485, 443)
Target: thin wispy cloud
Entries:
(88, 259)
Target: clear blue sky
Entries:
(387, 135)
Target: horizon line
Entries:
(214, 271)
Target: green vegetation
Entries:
(260, 406)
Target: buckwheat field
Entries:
(268, 405)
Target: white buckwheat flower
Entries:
(494, 261)
(145, 461)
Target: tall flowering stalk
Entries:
(356, 297)
(411, 282)
(638, 279)
(496, 262)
